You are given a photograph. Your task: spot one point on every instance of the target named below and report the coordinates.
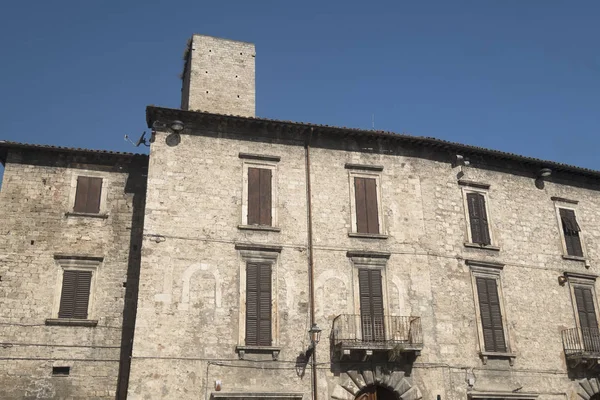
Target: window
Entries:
(570, 230)
(365, 192)
(259, 194)
(477, 214)
(75, 294)
(258, 320)
(258, 304)
(371, 304)
(586, 337)
(88, 195)
(365, 201)
(491, 318)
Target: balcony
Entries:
(582, 346)
(354, 334)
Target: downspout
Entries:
(311, 265)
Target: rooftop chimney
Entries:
(218, 76)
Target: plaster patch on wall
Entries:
(186, 278)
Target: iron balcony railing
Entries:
(581, 342)
(368, 332)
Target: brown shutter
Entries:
(93, 197)
(585, 307)
(75, 294)
(367, 219)
(87, 196)
(371, 304)
(491, 316)
(571, 232)
(81, 195)
(478, 218)
(253, 196)
(265, 197)
(259, 196)
(258, 304)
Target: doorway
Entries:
(373, 392)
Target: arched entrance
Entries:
(595, 397)
(373, 392)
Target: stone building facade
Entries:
(45, 239)
(434, 270)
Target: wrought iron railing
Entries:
(581, 341)
(386, 332)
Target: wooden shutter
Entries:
(478, 218)
(87, 196)
(258, 304)
(259, 196)
(585, 307)
(371, 304)
(367, 218)
(491, 316)
(75, 294)
(571, 232)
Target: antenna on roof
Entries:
(373, 121)
(141, 140)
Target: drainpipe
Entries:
(311, 265)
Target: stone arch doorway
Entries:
(373, 392)
(595, 397)
(352, 384)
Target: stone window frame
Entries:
(372, 172)
(492, 270)
(569, 205)
(263, 162)
(264, 254)
(106, 181)
(75, 263)
(582, 280)
(369, 260)
(483, 189)
(502, 395)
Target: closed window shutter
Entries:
(367, 218)
(75, 294)
(258, 304)
(478, 218)
(491, 316)
(585, 307)
(87, 195)
(371, 304)
(571, 232)
(259, 196)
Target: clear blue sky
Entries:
(513, 75)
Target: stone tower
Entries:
(218, 76)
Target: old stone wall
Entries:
(191, 297)
(218, 76)
(35, 235)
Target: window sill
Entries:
(259, 228)
(490, 354)
(242, 350)
(71, 322)
(367, 235)
(89, 215)
(482, 246)
(573, 258)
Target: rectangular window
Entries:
(491, 315)
(75, 294)
(259, 196)
(586, 313)
(258, 304)
(367, 218)
(571, 232)
(478, 218)
(371, 304)
(87, 196)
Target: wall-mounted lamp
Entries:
(460, 160)
(562, 280)
(544, 173)
(315, 334)
(176, 126)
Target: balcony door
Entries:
(371, 305)
(588, 324)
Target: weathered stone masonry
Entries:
(37, 236)
(177, 224)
